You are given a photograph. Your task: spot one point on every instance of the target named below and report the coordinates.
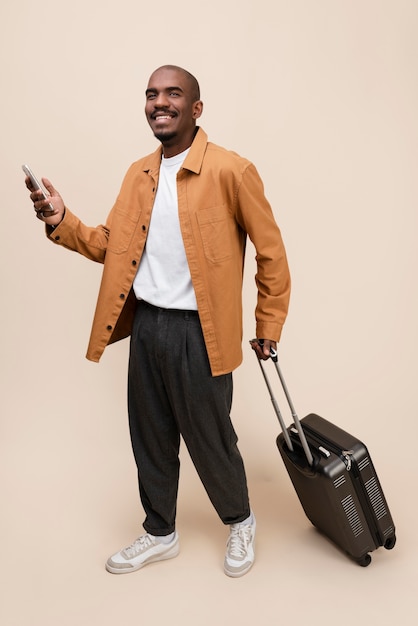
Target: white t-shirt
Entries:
(163, 277)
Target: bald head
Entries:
(172, 106)
(192, 81)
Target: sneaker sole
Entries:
(170, 554)
(238, 574)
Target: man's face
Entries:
(170, 108)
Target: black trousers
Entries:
(172, 395)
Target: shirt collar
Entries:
(193, 161)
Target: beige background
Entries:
(322, 95)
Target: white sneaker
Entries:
(239, 556)
(146, 549)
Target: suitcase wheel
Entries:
(390, 543)
(365, 560)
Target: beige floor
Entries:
(69, 500)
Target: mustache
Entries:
(162, 110)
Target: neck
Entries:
(172, 147)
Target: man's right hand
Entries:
(42, 206)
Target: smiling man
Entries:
(173, 252)
(172, 110)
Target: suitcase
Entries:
(335, 480)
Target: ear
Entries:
(197, 109)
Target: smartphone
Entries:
(36, 183)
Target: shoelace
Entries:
(138, 546)
(238, 541)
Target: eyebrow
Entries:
(155, 90)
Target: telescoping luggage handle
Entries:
(273, 355)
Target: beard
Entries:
(164, 136)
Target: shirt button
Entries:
(57, 238)
(122, 296)
(144, 228)
(134, 262)
(109, 327)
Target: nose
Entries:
(161, 99)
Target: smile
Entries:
(162, 116)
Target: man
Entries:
(173, 252)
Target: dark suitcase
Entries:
(335, 480)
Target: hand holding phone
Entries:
(36, 184)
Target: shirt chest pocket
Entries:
(216, 231)
(121, 231)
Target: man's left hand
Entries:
(262, 347)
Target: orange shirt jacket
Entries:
(220, 201)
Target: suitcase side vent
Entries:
(339, 481)
(352, 515)
(364, 463)
(376, 499)
(389, 531)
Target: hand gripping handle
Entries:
(302, 437)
